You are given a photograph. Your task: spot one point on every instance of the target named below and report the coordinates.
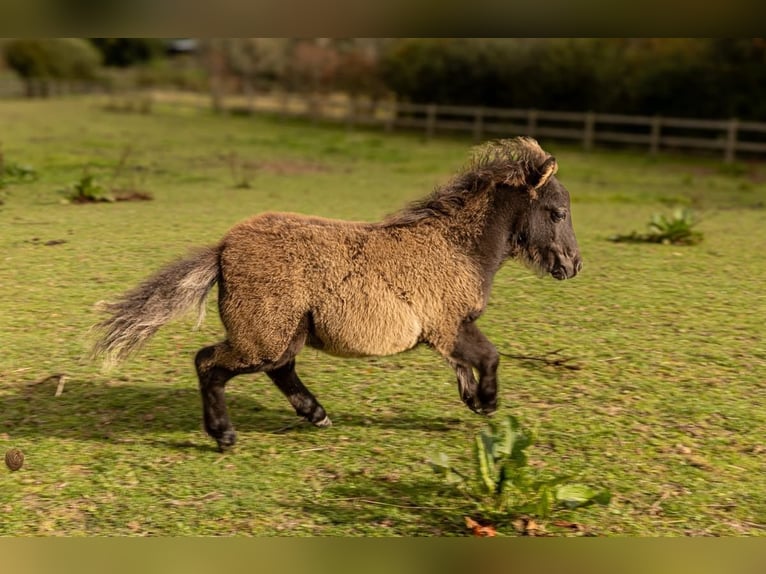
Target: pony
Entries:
(420, 276)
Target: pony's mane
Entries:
(498, 162)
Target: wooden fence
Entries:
(655, 133)
(730, 138)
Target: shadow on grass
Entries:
(379, 506)
(120, 413)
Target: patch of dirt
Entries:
(131, 195)
(289, 167)
(50, 242)
(280, 166)
(117, 195)
(84, 200)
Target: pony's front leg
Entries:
(466, 384)
(473, 350)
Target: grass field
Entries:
(668, 410)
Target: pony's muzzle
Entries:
(567, 268)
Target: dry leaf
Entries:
(528, 527)
(134, 526)
(698, 462)
(532, 527)
(573, 526)
(479, 530)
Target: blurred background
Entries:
(661, 142)
(697, 77)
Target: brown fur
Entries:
(423, 275)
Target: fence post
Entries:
(284, 103)
(531, 122)
(431, 121)
(731, 140)
(654, 137)
(249, 96)
(391, 120)
(351, 114)
(315, 103)
(478, 124)
(590, 123)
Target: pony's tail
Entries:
(136, 315)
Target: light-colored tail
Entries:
(164, 296)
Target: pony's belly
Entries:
(367, 332)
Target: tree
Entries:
(124, 52)
(40, 61)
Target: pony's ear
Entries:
(539, 177)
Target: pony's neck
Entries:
(482, 232)
(492, 245)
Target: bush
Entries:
(544, 74)
(53, 58)
(43, 60)
(693, 77)
(124, 52)
(358, 75)
(447, 71)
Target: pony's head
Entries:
(540, 229)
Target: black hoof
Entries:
(318, 417)
(486, 409)
(226, 440)
(325, 422)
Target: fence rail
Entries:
(656, 133)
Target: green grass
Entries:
(667, 412)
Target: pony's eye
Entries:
(558, 214)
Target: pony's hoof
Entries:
(325, 422)
(488, 410)
(484, 410)
(226, 440)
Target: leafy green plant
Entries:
(13, 173)
(675, 230)
(87, 190)
(504, 482)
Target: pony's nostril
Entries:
(579, 265)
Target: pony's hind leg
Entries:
(473, 350)
(215, 366)
(304, 403)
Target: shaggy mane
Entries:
(498, 162)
